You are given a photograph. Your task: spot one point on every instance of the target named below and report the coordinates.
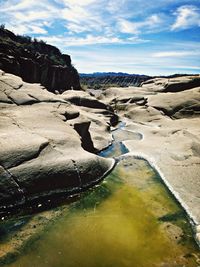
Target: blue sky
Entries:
(134, 36)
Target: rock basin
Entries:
(130, 217)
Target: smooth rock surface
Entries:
(44, 142)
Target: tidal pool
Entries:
(128, 220)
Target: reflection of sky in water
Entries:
(114, 150)
(117, 148)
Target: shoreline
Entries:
(152, 162)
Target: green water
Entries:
(129, 220)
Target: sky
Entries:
(153, 37)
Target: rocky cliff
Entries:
(37, 62)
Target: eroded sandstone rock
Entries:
(43, 139)
(169, 121)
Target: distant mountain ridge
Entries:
(100, 74)
(99, 80)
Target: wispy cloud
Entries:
(110, 17)
(187, 16)
(27, 16)
(151, 23)
(133, 60)
(176, 54)
(90, 40)
(135, 32)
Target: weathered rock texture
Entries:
(46, 140)
(167, 114)
(37, 62)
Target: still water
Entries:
(130, 219)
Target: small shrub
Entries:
(2, 26)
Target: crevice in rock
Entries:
(15, 88)
(25, 129)
(172, 113)
(9, 97)
(77, 171)
(27, 102)
(114, 119)
(82, 129)
(33, 97)
(165, 111)
(36, 155)
(17, 183)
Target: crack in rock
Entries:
(77, 171)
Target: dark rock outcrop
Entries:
(37, 62)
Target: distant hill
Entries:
(102, 80)
(98, 80)
(103, 74)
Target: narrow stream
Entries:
(130, 219)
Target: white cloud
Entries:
(37, 29)
(153, 22)
(126, 26)
(28, 16)
(31, 16)
(187, 67)
(86, 17)
(134, 60)
(175, 54)
(63, 41)
(93, 25)
(78, 3)
(187, 16)
(26, 29)
(16, 6)
(114, 6)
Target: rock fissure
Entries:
(13, 87)
(32, 157)
(77, 172)
(11, 175)
(82, 128)
(21, 191)
(9, 97)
